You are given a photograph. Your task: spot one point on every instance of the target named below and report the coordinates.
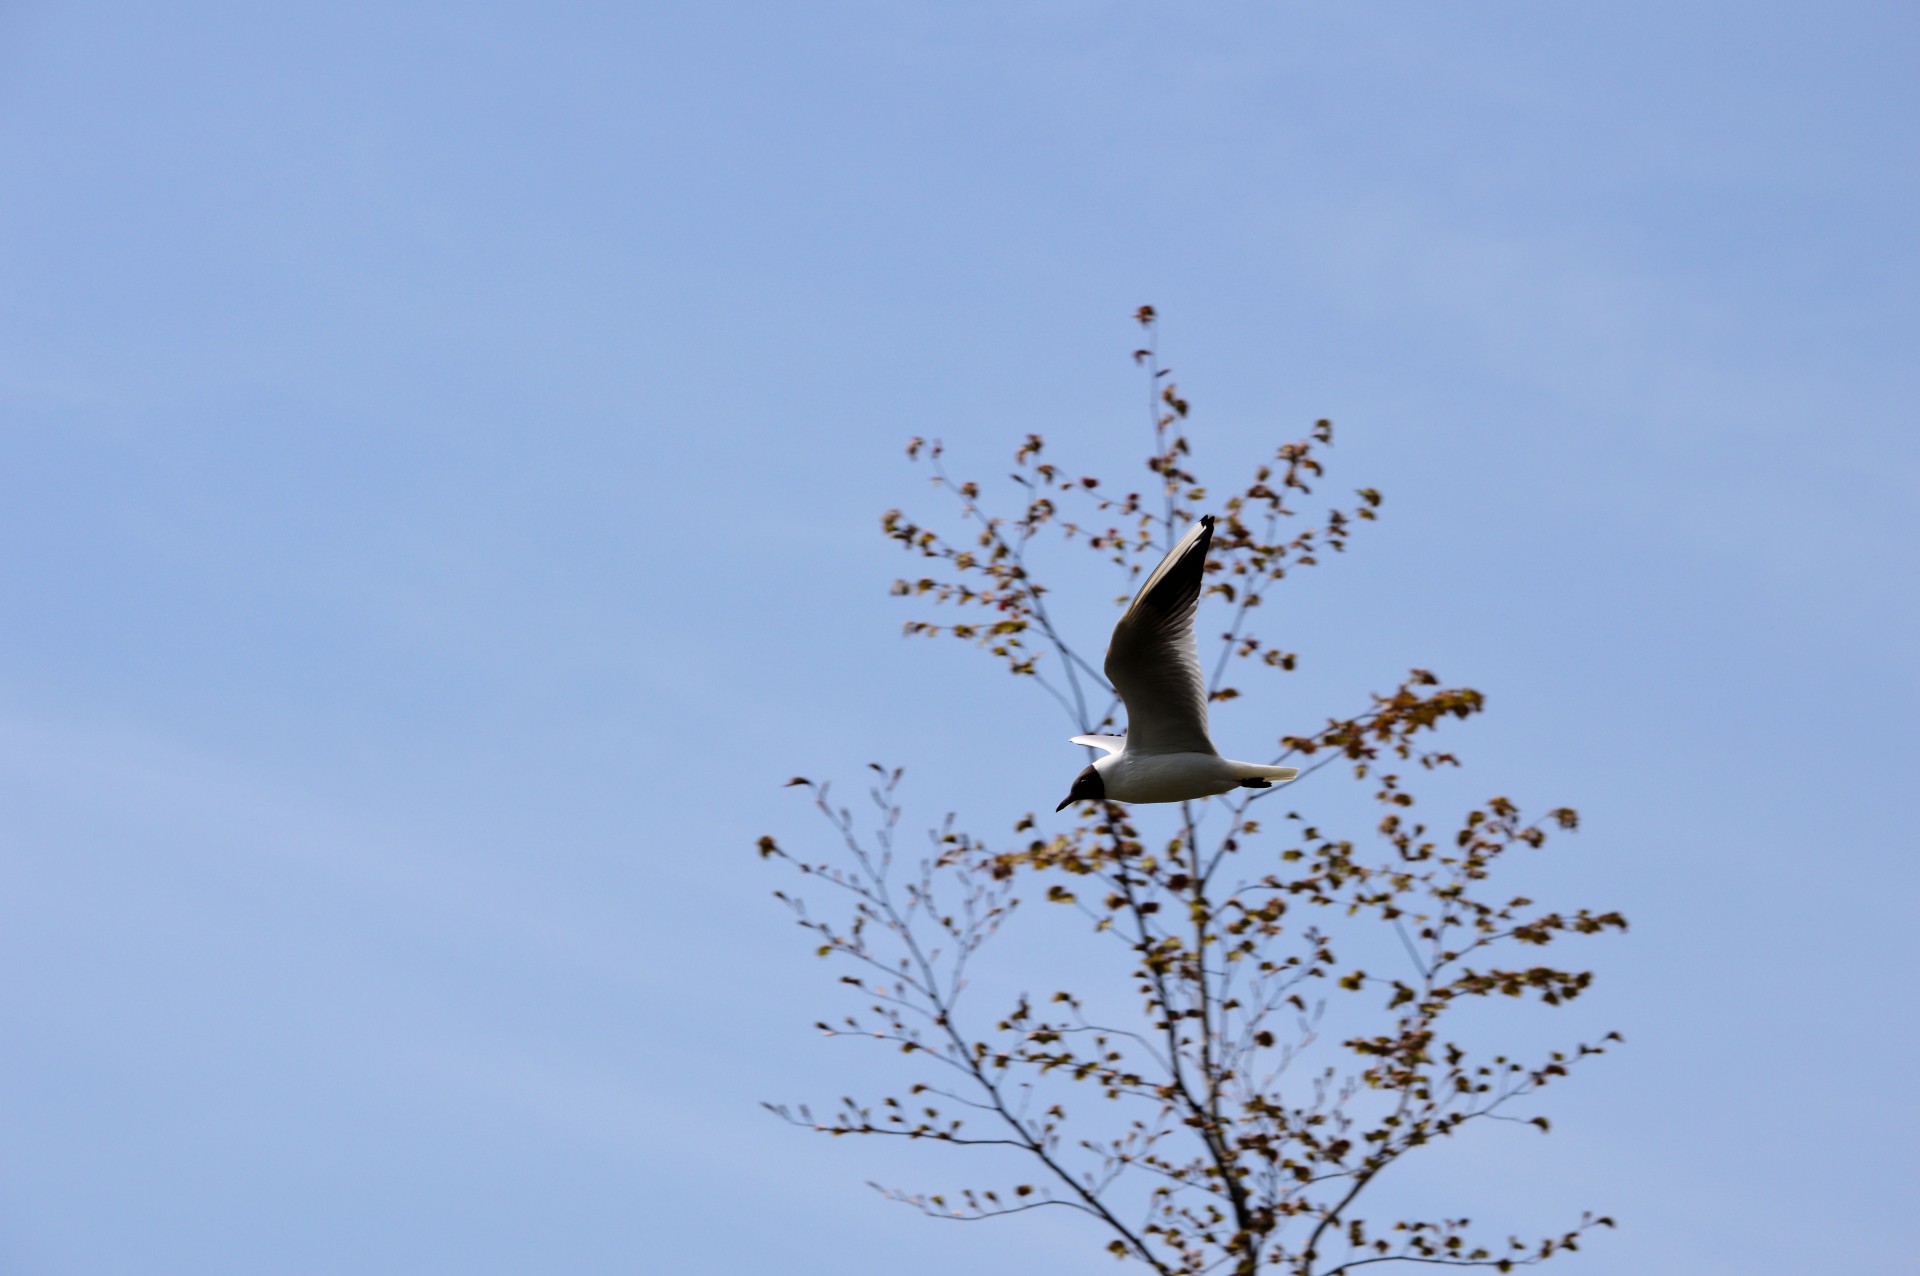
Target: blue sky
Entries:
(442, 450)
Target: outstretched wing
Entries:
(1111, 743)
(1152, 660)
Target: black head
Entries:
(1087, 787)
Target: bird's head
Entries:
(1087, 787)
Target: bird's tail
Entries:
(1255, 776)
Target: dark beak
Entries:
(1065, 802)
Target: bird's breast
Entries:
(1166, 777)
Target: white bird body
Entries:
(1175, 777)
(1166, 755)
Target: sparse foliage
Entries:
(1216, 1130)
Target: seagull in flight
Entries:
(1166, 755)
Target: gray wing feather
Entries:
(1152, 659)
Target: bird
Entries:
(1166, 754)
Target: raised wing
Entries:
(1111, 743)
(1152, 660)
